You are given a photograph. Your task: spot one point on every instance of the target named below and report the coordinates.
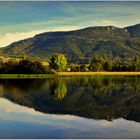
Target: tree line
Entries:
(104, 63)
(58, 62)
(22, 67)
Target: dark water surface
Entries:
(99, 107)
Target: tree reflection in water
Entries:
(98, 97)
(58, 89)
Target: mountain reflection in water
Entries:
(107, 98)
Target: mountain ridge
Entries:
(80, 45)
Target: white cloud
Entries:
(9, 38)
(9, 107)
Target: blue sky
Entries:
(14, 117)
(21, 20)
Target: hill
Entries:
(80, 45)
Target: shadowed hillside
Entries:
(80, 45)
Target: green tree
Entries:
(30, 67)
(96, 67)
(95, 58)
(135, 60)
(96, 63)
(107, 66)
(84, 68)
(75, 67)
(58, 62)
(134, 67)
(104, 58)
(135, 64)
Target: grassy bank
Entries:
(97, 73)
(26, 76)
(67, 74)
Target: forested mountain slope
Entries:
(80, 45)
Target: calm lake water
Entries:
(99, 107)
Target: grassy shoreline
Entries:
(26, 76)
(67, 74)
(98, 73)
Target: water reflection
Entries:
(58, 89)
(22, 122)
(106, 98)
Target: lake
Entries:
(96, 107)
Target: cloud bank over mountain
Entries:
(20, 20)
